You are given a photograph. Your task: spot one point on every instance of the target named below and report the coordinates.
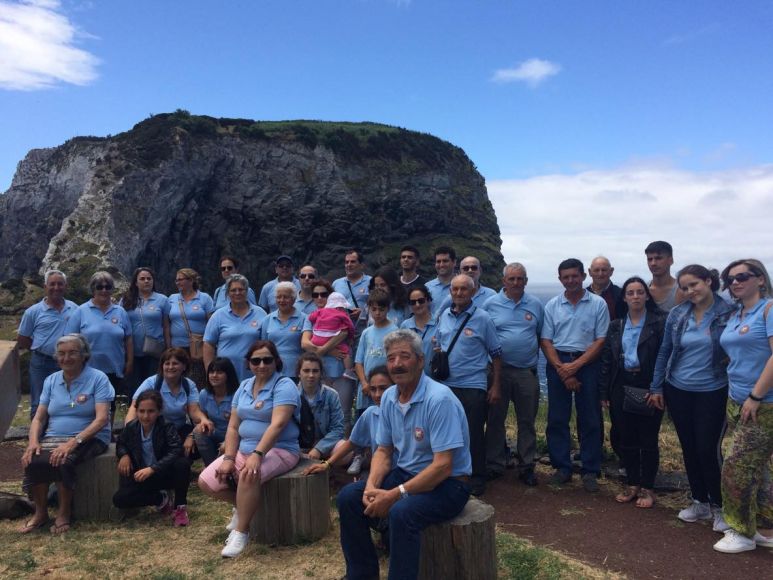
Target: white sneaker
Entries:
(233, 523)
(734, 543)
(696, 511)
(235, 544)
(356, 467)
(720, 525)
(763, 541)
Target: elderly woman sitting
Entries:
(70, 425)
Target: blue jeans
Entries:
(407, 518)
(588, 407)
(40, 367)
(208, 446)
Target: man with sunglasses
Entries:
(305, 302)
(283, 266)
(229, 265)
(41, 326)
(470, 266)
(354, 286)
(518, 318)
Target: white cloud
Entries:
(37, 47)
(532, 72)
(709, 218)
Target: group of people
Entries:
(228, 380)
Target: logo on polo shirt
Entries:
(362, 290)
(293, 329)
(254, 323)
(114, 320)
(195, 306)
(82, 398)
(151, 307)
(528, 316)
(744, 329)
(226, 414)
(418, 434)
(468, 332)
(259, 405)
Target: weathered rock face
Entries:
(179, 191)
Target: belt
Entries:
(462, 478)
(572, 355)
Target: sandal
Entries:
(646, 499)
(31, 527)
(629, 495)
(58, 529)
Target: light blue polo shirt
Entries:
(479, 299)
(45, 325)
(439, 293)
(267, 300)
(746, 343)
(434, 422)
(573, 328)
(148, 453)
(106, 333)
(153, 311)
(218, 413)
(220, 297)
(232, 335)
(468, 361)
(630, 341)
(196, 311)
(71, 412)
(175, 406)
(518, 327)
(305, 307)
(255, 413)
(427, 334)
(333, 367)
(287, 338)
(360, 289)
(693, 369)
(366, 428)
(370, 354)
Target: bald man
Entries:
(601, 271)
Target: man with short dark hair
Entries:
(283, 266)
(573, 335)
(354, 286)
(409, 264)
(423, 425)
(445, 266)
(663, 287)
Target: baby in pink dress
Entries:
(333, 321)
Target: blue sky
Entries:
(585, 109)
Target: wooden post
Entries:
(97, 481)
(461, 548)
(295, 508)
(10, 384)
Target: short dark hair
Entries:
(570, 264)
(175, 352)
(423, 289)
(311, 357)
(378, 297)
(379, 370)
(702, 273)
(446, 250)
(258, 344)
(324, 283)
(151, 394)
(360, 257)
(231, 259)
(231, 378)
(659, 247)
(413, 249)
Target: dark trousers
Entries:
(700, 423)
(133, 494)
(407, 518)
(476, 410)
(638, 441)
(40, 469)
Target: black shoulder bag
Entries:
(439, 365)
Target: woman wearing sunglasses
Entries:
(747, 492)
(261, 441)
(422, 322)
(229, 266)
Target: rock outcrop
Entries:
(180, 190)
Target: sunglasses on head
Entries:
(266, 360)
(742, 277)
(320, 294)
(103, 287)
(417, 301)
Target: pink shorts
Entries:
(276, 462)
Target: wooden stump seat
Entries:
(294, 509)
(461, 548)
(97, 482)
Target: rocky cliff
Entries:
(181, 190)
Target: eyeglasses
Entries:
(103, 287)
(226, 268)
(741, 277)
(307, 276)
(177, 280)
(417, 301)
(320, 294)
(470, 268)
(266, 360)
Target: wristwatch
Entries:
(78, 440)
(403, 493)
(260, 453)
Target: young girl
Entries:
(150, 461)
(333, 323)
(215, 404)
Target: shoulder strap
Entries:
(351, 291)
(458, 332)
(159, 382)
(185, 318)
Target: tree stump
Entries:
(10, 384)
(461, 548)
(97, 482)
(294, 509)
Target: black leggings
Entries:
(638, 441)
(132, 494)
(699, 418)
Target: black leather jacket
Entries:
(647, 351)
(166, 444)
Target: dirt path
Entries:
(620, 538)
